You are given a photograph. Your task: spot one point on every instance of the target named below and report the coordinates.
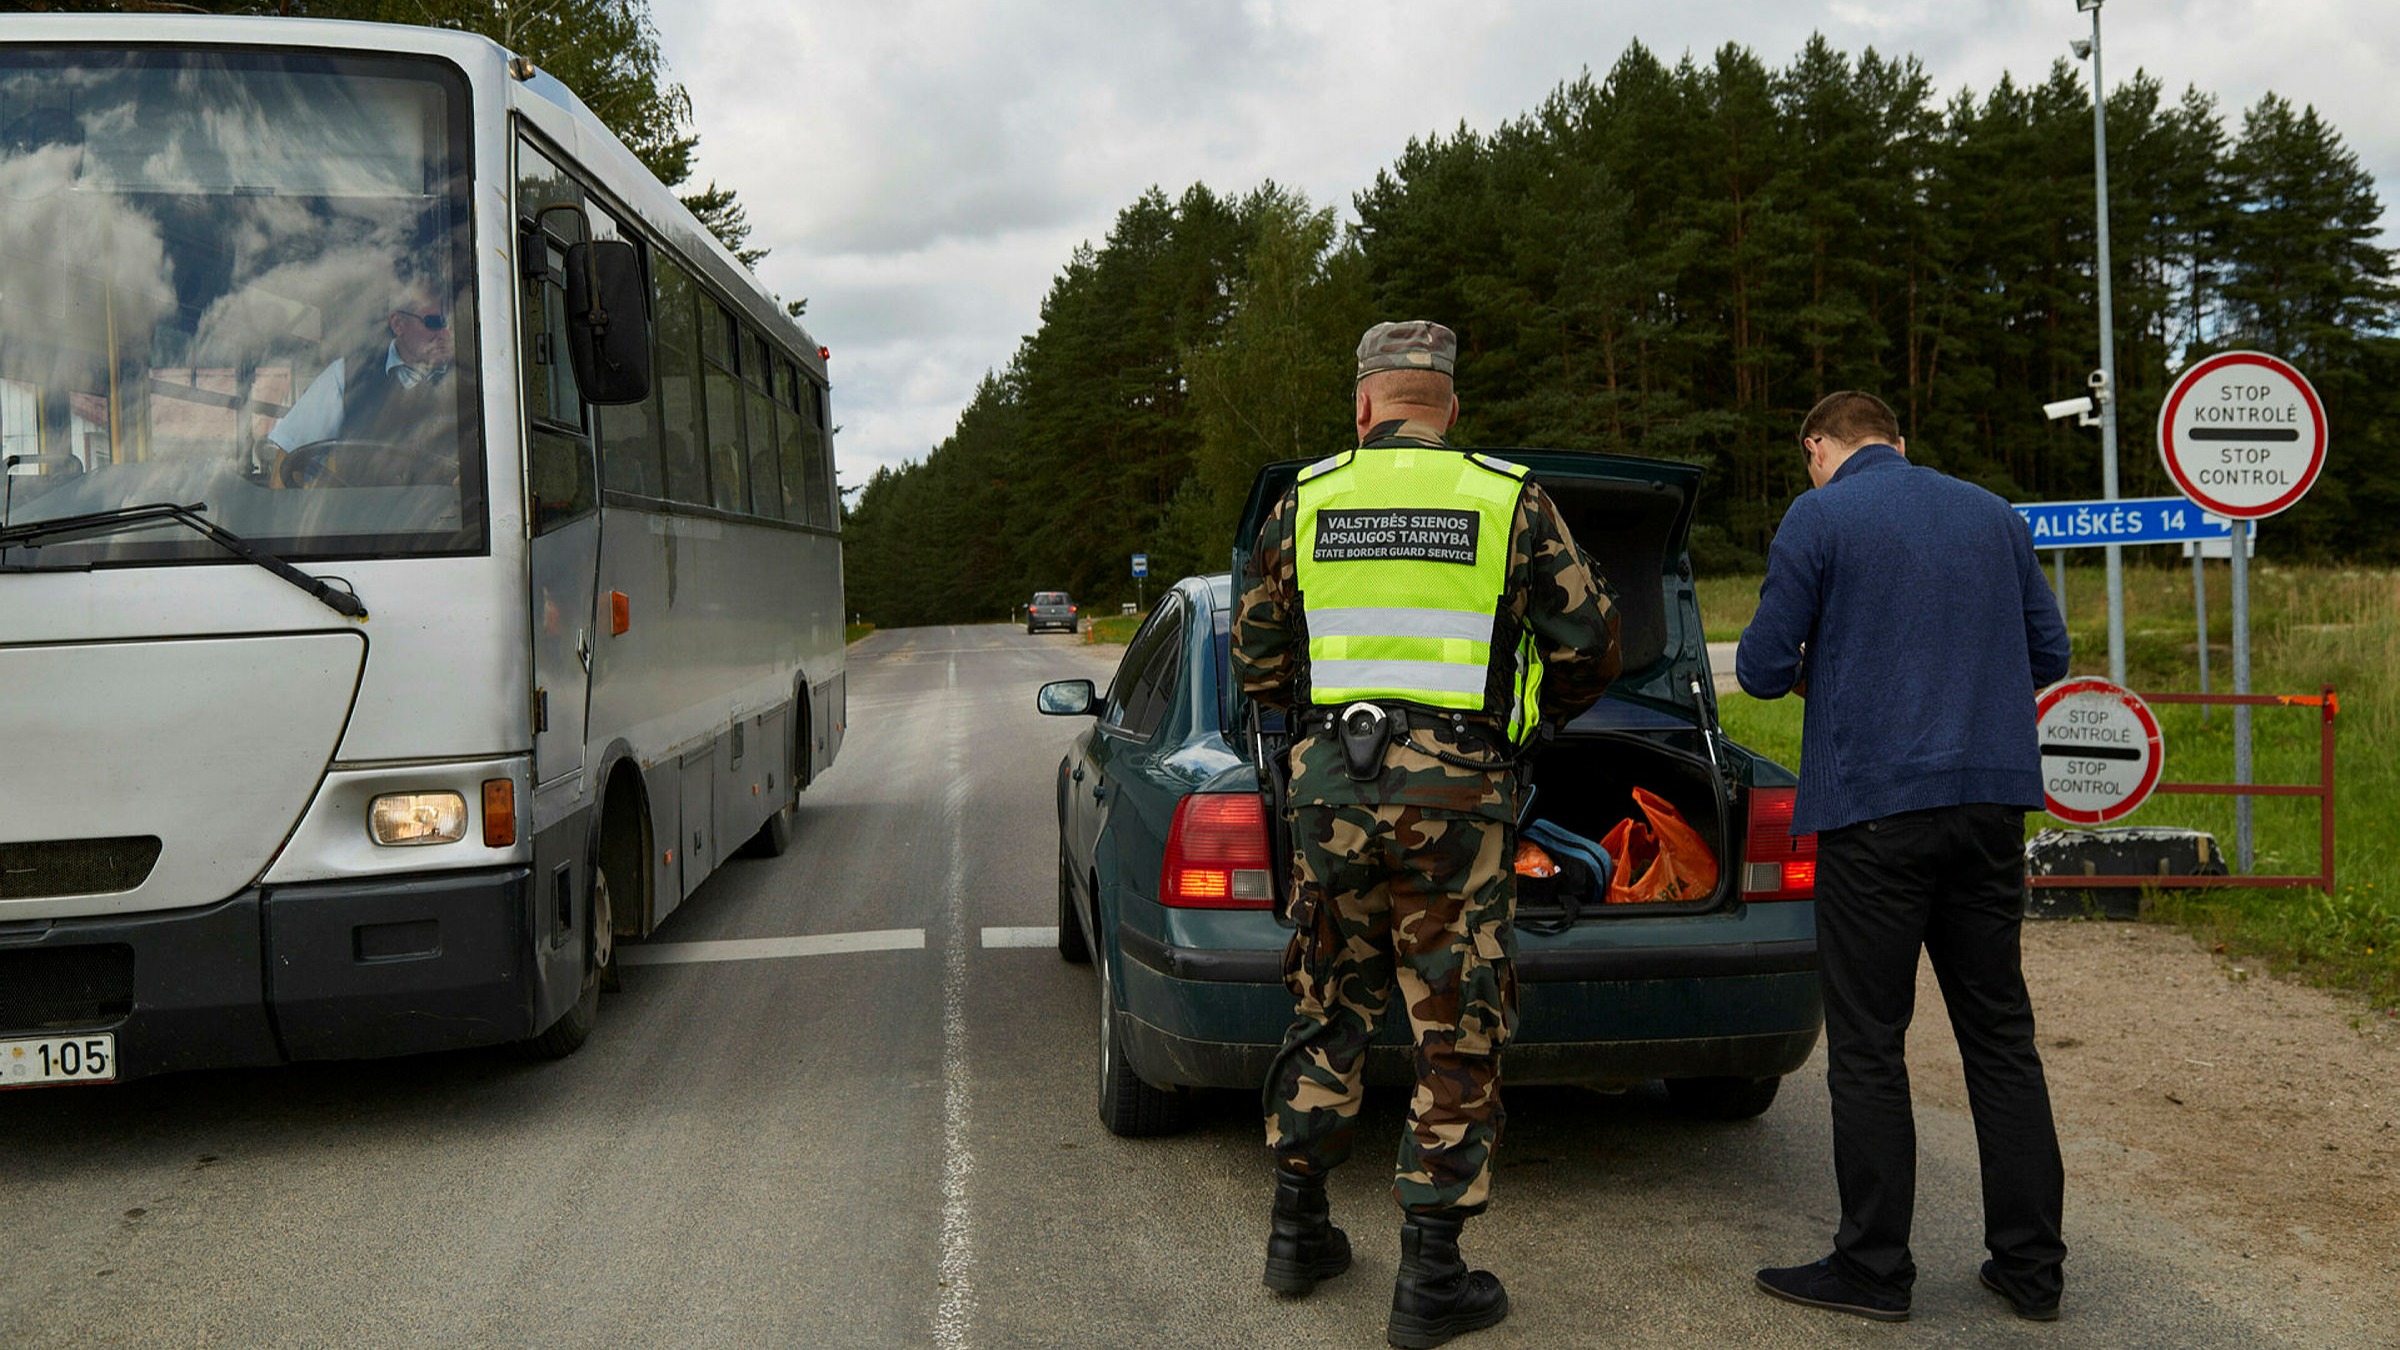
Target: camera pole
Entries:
(2106, 393)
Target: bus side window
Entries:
(789, 433)
(677, 378)
(560, 471)
(728, 476)
(629, 460)
(549, 378)
(819, 464)
(766, 481)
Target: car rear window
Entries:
(1050, 598)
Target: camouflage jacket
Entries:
(1554, 590)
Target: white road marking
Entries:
(954, 1312)
(765, 949)
(1021, 937)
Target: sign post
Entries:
(2101, 751)
(1141, 569)
(2200, 617)
(2060, 526)
(2243, 434)
(2200, 552)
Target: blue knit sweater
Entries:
(1927, 629)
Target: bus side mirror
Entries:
(608, 321)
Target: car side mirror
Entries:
(608, 321)
(1067, 698)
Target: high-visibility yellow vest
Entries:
(1402, 566)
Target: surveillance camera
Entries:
(2098, 379)
(2082, 47)
(2067, 407)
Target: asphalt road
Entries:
(897, 1146)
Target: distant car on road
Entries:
(1168, 861)
(1050, 609)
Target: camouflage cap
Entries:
(1415, 344)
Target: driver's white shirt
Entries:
(317, 416)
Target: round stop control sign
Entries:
(2101, 753)
(2242, 434)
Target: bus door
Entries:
(560, 482)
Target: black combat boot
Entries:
(1304, 1246)
(1436, 1296)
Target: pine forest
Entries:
(1674, 261)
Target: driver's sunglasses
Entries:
(434, 322)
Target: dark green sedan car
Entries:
(1169, 860)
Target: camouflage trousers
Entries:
(1420, 899)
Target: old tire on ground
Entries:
(1071, 945)
(1129, 1107)
(567, 1035)
(1722, 1098)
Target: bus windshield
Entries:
(241, 278)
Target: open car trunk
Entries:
(1584, 784)
(1632, 517)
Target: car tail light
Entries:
(1217, 854)
(1777, 865)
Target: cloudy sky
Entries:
(923, 168)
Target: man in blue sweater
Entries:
(1907, 608)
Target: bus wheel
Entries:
(773, 837)
(567, 1035)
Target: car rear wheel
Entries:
(1071, 946)
(1722, 1098)
(1129, 1107)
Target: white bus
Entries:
(360, 678)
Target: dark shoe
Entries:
(1436, 1297)
(2031, 1312)
(1304, 1246)
(1817, 1286)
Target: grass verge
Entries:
(2310, 627)
(1114, 628)
(856, 631)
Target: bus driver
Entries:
(389, 393)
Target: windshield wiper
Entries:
(37, 533)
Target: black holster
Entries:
(1364, 731)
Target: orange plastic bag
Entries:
(1661, 862)
(1535, 861)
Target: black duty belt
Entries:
(1472, 732)
(1465, 726)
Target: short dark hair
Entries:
(1852, 416)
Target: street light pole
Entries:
(2106, 394)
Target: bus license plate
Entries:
(59, 1059)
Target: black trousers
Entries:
(1951, 880)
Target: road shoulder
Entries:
(2260, 1112)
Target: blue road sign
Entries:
(1141, 564)
(2139, 520)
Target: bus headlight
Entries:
(403, 818)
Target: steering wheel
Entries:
(342, 462)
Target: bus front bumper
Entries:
(334, 970)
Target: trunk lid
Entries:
(1633, 516)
